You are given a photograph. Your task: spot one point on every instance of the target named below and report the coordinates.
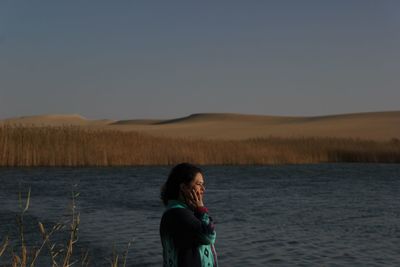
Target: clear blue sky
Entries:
(166, 59)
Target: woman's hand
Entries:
(194, 198)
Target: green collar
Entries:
(173, 204)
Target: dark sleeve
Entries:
(194, 228)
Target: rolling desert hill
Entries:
(231, 126)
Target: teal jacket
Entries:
(187, 236)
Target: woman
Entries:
(186, 230)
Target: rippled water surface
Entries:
(296, 215)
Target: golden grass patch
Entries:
(75, 146)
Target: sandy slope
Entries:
(373, 125)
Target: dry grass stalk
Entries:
(85, 259)
(21, 259)
(46, 241)
(115, 259)
(3, 246)
(73, 233)
(32, 254)
(125, 254)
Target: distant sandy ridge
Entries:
(231, 126)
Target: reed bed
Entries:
(22, 146)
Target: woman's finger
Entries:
(193, 192)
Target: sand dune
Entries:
(136, 122)
(372, 125)
(222, 117)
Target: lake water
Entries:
(291, 215)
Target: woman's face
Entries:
(198, 184)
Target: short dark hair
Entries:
(181, 173)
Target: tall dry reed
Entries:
(60, 255)
(76, 146)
